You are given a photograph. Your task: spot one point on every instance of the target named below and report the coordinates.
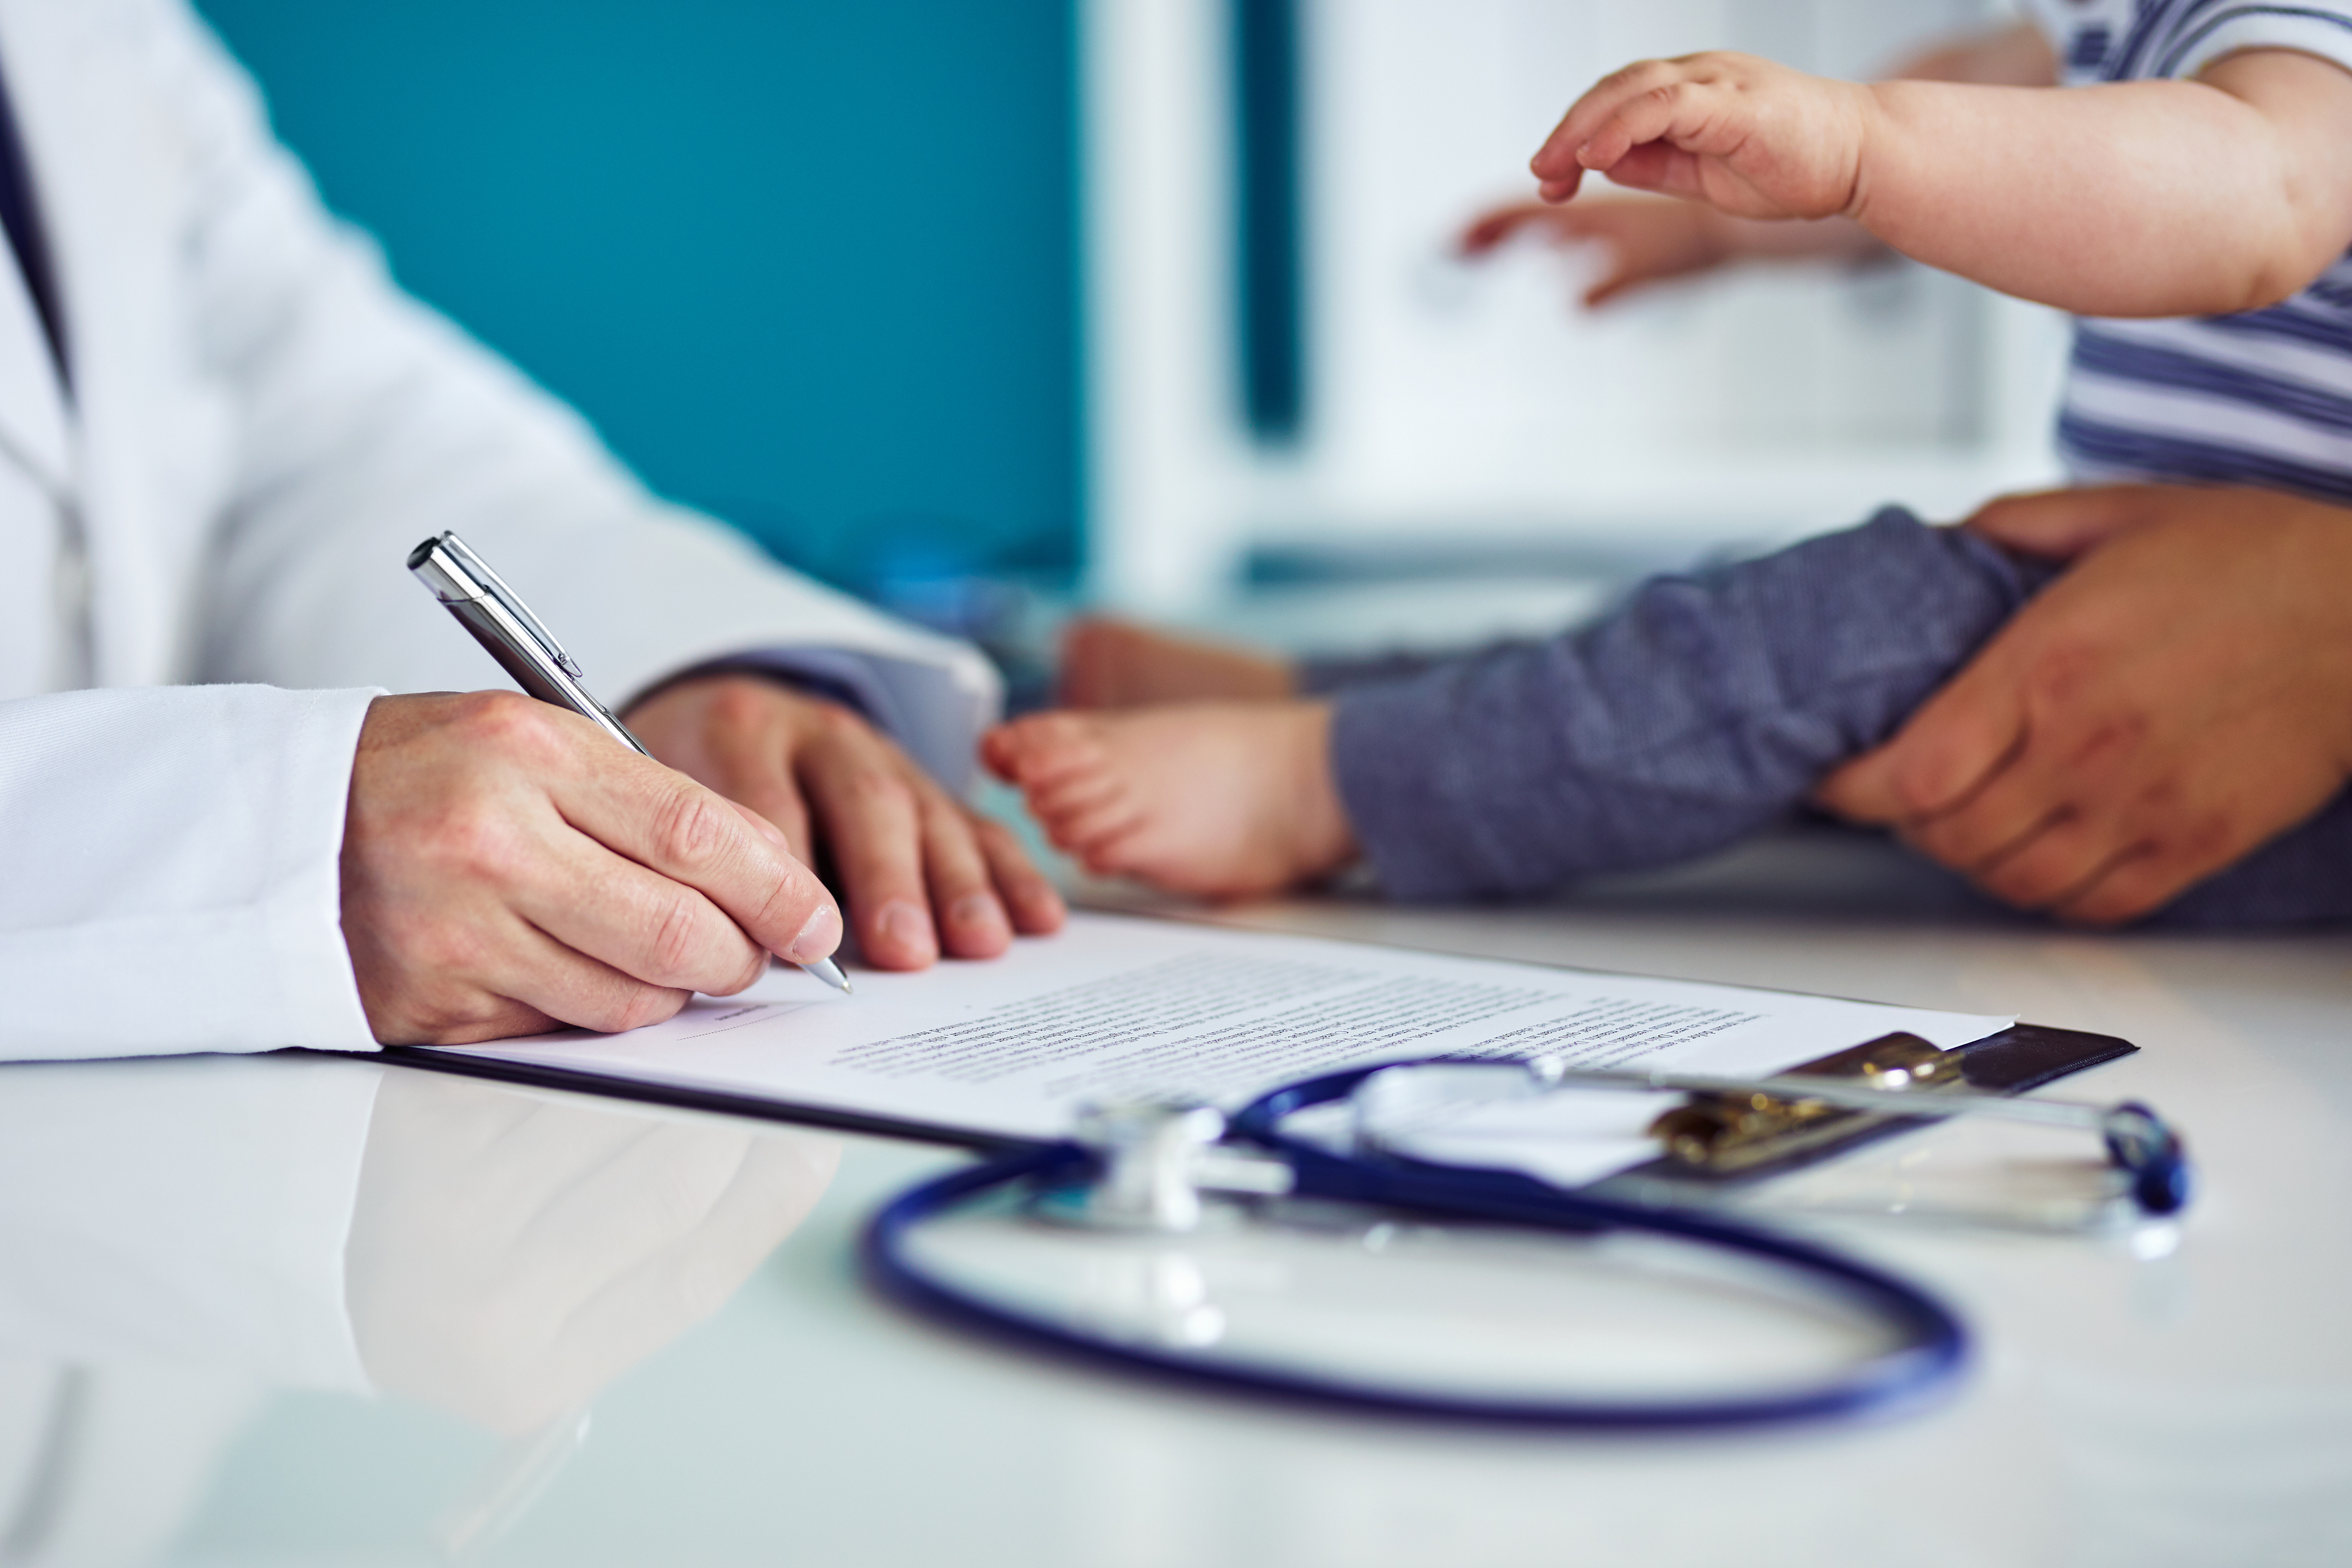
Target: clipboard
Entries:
(682, 1097)
(2019, 1059)
(922, 1057)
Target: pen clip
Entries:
(495, 587)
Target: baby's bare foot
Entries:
(1211, 798)
(1113, 664)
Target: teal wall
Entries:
(810, 266)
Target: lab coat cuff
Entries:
(319, 988)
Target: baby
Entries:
(2190, 194)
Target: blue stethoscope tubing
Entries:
(1930, 1345)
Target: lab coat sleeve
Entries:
(368, 423)
(207, 915)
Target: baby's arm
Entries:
(1651, 241)
(2147, 198)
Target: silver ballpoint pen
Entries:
(527, 650)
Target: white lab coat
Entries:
(213, 529)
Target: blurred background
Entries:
(987, 310)
(810, 267)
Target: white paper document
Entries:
(1121, 1006)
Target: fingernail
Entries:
(818, 938)
(976, 910)
(908, 925)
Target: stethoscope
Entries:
(1147, 1167)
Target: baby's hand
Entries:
(1747, 136)
(1647, 241)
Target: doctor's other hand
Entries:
(506, 868)
(2179, 697)
(923, 873)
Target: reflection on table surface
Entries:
(293, 1310)
(185, 1239)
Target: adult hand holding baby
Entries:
(2181, 696)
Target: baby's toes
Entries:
(1120, 850)
(1045, 747)
(1082, 832)
(999, 751)
(1068, 797)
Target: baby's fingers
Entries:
(1647, 135)
(1489, 229)
(1656, 166)
(1561, 161)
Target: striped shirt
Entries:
(2264, 398)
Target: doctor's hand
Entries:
(923, 873)
(2182, 695)
(506, 868)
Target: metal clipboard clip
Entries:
(1731, 1131)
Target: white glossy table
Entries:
(2192, 1408)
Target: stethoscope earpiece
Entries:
(2150, 1155)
